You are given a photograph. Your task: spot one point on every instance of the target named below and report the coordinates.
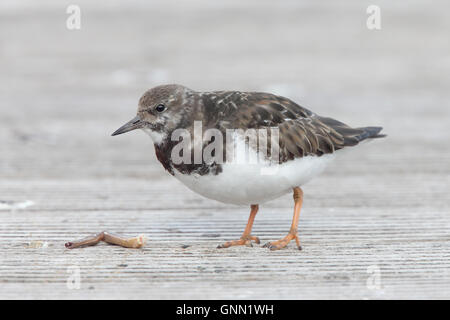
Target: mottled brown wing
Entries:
(301, 132)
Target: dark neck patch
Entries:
(163, 154)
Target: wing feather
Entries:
(301, 132)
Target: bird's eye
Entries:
(160, 108)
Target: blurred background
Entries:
(63, 92)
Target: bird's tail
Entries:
(370, 133)
(353, 136)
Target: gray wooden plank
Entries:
(380, 207)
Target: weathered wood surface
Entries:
(383, 206)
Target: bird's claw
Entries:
(247, 241)
(280, 244)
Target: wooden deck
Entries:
(375, 225)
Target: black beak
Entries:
(133, 124)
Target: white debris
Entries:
(12, 205)
(37, 244)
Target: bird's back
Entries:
(301, 131)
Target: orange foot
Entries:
(247, 240)
(279, 244)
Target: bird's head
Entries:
(161, 110)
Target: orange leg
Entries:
(246, 238)
(136, 242)
(293, 233)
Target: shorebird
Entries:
(302, 142)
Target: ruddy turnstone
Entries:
(194, 134)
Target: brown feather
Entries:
(301, 131)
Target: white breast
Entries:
(245, 184)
